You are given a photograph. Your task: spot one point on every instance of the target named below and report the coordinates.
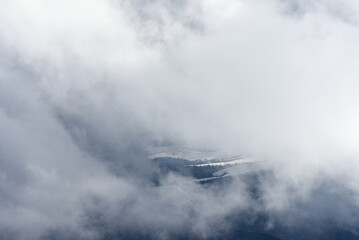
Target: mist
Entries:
(90, 89)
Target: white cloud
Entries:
(88, 87)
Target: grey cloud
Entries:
(343, 11)
(89, 89)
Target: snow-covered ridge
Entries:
(194, 154)
(224, 163)
(202, 158)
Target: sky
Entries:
(89, 89)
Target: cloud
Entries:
(89, 88)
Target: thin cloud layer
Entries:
(89, 89)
